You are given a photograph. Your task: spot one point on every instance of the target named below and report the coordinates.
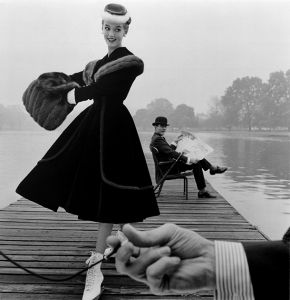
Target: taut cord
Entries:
(55, 279)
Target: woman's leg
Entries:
(95, 277)
(105, 230)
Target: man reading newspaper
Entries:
(193, 157)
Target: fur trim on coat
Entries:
(129, 61)
(46, 97)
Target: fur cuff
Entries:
(129, 61)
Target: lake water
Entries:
(257, 183)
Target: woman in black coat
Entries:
(96, 169)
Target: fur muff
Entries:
(46, 99)
(129, 61)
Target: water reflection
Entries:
(257, 164)
(257, 183)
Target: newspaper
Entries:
(192, 146)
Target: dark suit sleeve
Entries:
(269, 269)
(166, 151)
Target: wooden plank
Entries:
(69, 227)
(57, 244)
(86, 239)
(16, 296)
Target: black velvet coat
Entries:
(96, 169)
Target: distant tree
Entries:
(215, 116)
(259, 118)
(160, 107)
(287, 106)
(241, 101)
(142, 118)
(183, 116)
(231, 106)
(180, 117)
(275, 105)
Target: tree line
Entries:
(249, 103)
(14, 117)
(179, 117)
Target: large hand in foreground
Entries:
(169, 259)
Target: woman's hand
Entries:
(169, 259)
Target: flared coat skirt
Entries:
(96, 169)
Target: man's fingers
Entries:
(136, 267)
(150, 238)
(140, 265)
(158, 274)
(123, 256)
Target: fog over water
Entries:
(192, 49)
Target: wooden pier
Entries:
(57, 244)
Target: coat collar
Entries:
(158, 134)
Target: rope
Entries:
(55, 279)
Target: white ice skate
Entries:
(94, 278)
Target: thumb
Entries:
(156, 237)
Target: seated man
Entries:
(167, 152)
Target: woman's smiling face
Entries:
(113, 34)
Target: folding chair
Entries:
(161, 176)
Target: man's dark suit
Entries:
(269, 264)
(167, 152)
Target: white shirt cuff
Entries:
(71, 97)
(174, 144)
(233, 280)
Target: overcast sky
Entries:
(192, 49)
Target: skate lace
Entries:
(91, 274)
(92, 259)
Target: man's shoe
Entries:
(205, 194)
(217, 170)
(94, 279)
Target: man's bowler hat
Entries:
(160, 121)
